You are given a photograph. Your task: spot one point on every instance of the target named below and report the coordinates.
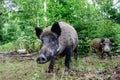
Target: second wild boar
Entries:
(58, 40)
(101, 46)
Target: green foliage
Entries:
(83, 47)
(8, 46)
(89, 21)
(19, 25)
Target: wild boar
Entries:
(58, 40)
(101, 46)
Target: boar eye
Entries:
(110, 44)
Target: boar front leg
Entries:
(51, 66)
(102, 55)
(109, 55)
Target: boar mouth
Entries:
(106, 51)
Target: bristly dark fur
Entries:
(60, 39)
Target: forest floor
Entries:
(86, 68)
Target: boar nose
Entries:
(107, 50)
(41, 59)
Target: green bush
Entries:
(89, 21)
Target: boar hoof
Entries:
(49, 71)
(67, 71)
(66, 74)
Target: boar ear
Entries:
(102, 40)
(56, 28)
(111, 40)
(38, 31)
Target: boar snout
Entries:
(41, 59)
(107, 50)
